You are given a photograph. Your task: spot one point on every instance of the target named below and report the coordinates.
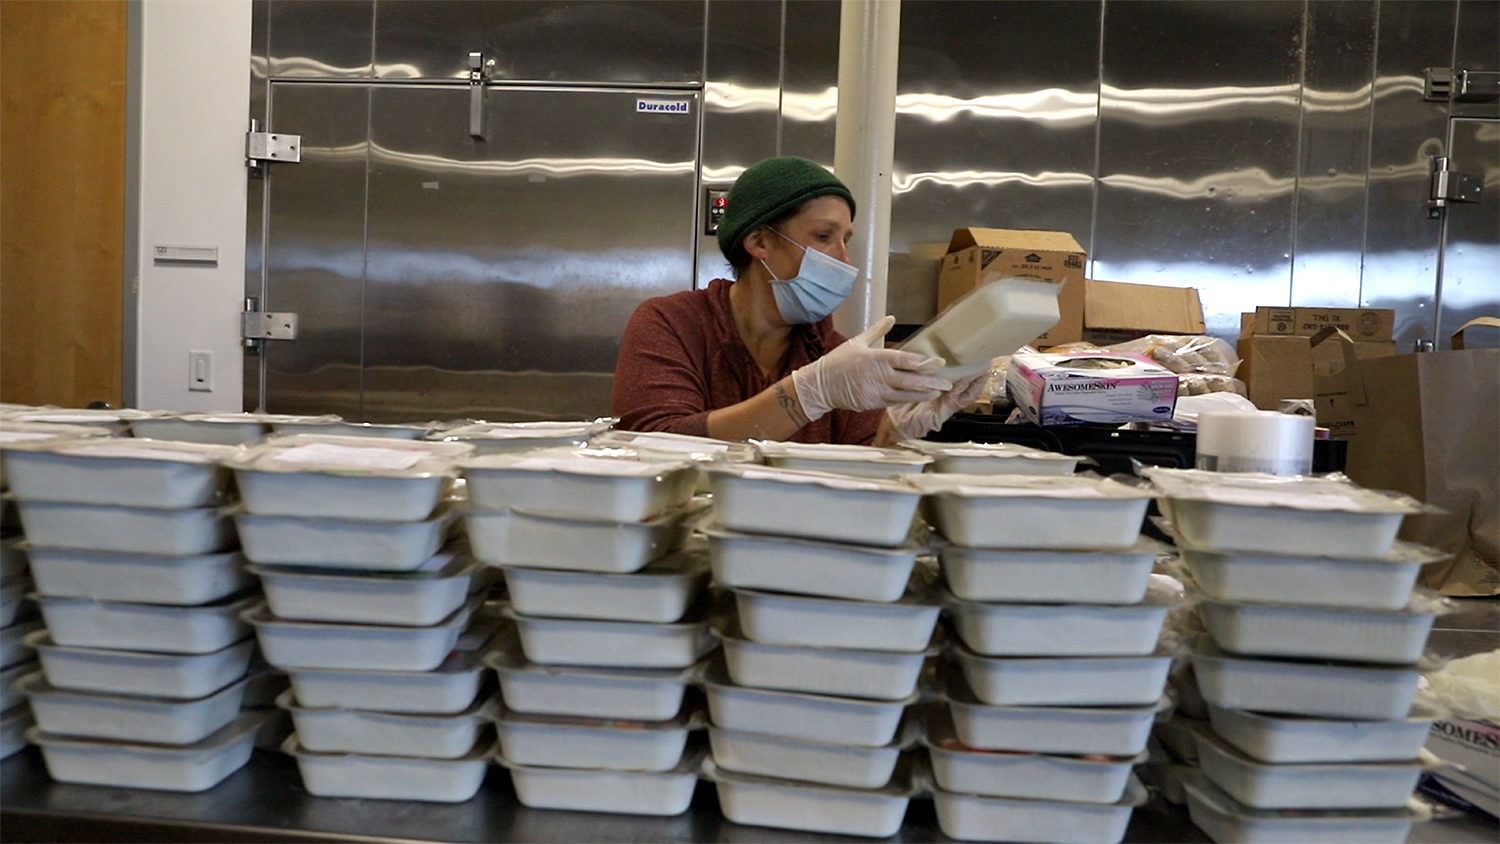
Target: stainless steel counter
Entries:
(264, 801)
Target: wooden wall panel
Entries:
(62, 200)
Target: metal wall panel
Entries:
(1197, 151)
(989, 136)
(741, 102)
(1471, 243)
(314, 256)
(809, 90)
(641, 42)
(1401, 242)
(501, 273)
(1477, 47)
(255, 195)
(321, 38)
(1335, 153)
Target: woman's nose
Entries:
(840, 251)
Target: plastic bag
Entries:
(1470, 687)
(1185, 353)
(1196, 384)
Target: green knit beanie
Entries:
(768, 190)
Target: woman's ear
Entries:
(756, 245)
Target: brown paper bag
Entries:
(1427, 425)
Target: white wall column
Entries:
(192, 88)
(864, 146)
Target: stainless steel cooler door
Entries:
(499, 274)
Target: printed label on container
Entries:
(662, 106)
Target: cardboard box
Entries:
(1284, 367)
(976, 256)
(1359, 323)
(1055, 390)
(1105, 312)
(1476, 746)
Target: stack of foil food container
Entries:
(608, 599)
(144, 655)
(1309, 666)
(17, 612)
(1056, 677)
(368, 590)
(810, 706)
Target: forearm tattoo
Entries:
(790, 405)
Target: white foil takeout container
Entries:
(418, 598)
(1385, 636)
(800, 715)
(85, 623)
(129, 530)
(1291, 739)
(803, 760)
(1065, 680)
(660, 592)
(362, 731)
(1310, 785)
(556, 741)
(662, 793)
(970, 817)
(167, 675)
(1072, 730)
(1057, 577)
(579, 484)
(392, 777)
(343, 543)
(1320, 689)
(813, 505)
(447, 689)
(858, 460)
(120, 471)
(151, 720)
(845, 672)
(786, 804)
(1060, 629)
(533, 540)
(209, 428)
(1016, 511)
(1275, 514)
(970, 458)
(348, 478)
(503, 437)
(194, 767)
(292, 645)
(904, 625)
(959, 769)
(618, 693)
(138, 578)
(1381, 583)
(810, 567)
(613, 644)
(1223, 818)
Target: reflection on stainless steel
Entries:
(1200, 197)
(1471, 247)
(644, 42)
(1334, 154)
(255, 199)
(1264, 152)
(317, 207)
(1401, 243)
(320, 38)
(498, 281)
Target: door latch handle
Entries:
(479, 73)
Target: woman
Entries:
(758, 358)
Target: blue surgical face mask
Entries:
(819, 287)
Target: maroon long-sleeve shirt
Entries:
(682, 356)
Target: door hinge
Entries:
(262, 148)
(1444, 84)
(1450, 186)
(256, 324)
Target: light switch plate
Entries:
(200, 371)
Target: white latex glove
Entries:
(861, 375)
(914, 421)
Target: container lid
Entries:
(913, 543)
(659, 445)
(456, 662)
(1143, 545)
(1203, 648)
(691, 717)
(1402, 553)
(1135, 795)
(257, 418)
(35, 684)
(507, 660)
(695, 617)
(998, 451)
(474, 711)
(836, 452)
(260, 616)
(231, 605)
(41, 639)
(902, 785)
(1200, 787)
(342, 455)
(692, 760)
(828, 480)
(130, 448)
(577, 431)
(940, 736)
(1209, 740)
(1422, 602)
(728, 628)
(245, 725)
(1158, 596)
(688, 562)
(570, 461)
(13, 432)
(484, 748)
(1074, 487)
(712, 672)
(78, 416)
(451, 562)
(1334, 493)
(955, 689)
